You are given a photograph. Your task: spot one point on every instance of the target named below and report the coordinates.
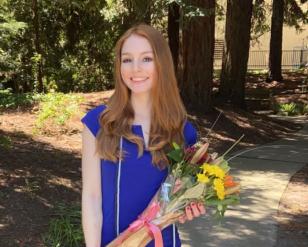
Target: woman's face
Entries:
(137, 64)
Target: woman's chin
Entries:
(140, 90)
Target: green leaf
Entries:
(175, 155)
(175, 145)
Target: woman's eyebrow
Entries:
(128, 53)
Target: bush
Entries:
(288, 109)
(56, 112)
(5, 142)
(9, 100)
(292, 109)
(65, 229)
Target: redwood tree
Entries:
(274, 72)
(236, 52)
(173, 31)
(198, 52)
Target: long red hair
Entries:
(168, 114)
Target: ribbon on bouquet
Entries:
(145, 220)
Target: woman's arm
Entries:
(91, 191)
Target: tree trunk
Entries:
(37, 44)
(139, 11)
(173, 31)
(198, 53)
(274, 73)
(236, 52)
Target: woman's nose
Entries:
(136, 65)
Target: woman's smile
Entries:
(138, 69)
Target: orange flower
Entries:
(228, 182)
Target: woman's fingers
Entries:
(201, 207)
(195, 210)
(189, 213)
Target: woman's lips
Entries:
(139, 79)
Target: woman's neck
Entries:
(142, 105)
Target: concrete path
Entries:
(264, 173)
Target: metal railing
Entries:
(291, 59)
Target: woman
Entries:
(131, 135)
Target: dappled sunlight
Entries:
(35, 176)
(63, 182)
(264, 173)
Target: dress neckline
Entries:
(140, 129)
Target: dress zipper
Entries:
(118, 189)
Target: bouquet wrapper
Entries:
(150, 223)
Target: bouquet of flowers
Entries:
(194, 175)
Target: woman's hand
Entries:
(195, 209)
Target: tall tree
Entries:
(174, 31)
(37, 45)
(291, 13)
(275, 54)
(198, 53)
(138, 11)
(236, 52)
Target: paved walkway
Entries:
(264, 173)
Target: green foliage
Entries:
(56, 110)
(76, 43)
(296, 14)
(259, 22)
(288, 109)
(189, 10)
(10, 32)
(5, 142)
(292, 109)
(9, 100)
(65, 229)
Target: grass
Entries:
(65, 228)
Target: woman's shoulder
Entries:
(91, 119)
(190, 133)
(97, 110)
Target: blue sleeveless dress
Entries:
(128, 187)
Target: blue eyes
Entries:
(145, 59)
(126, 60)
(148, 59)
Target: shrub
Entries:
(65, 228)
(56, 112)
(288, 109)
(292, 109)
(5, 142)
(9, 100)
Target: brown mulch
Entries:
(293, 212)
(40, 171)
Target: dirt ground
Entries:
(293, 212)
(40, 171)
